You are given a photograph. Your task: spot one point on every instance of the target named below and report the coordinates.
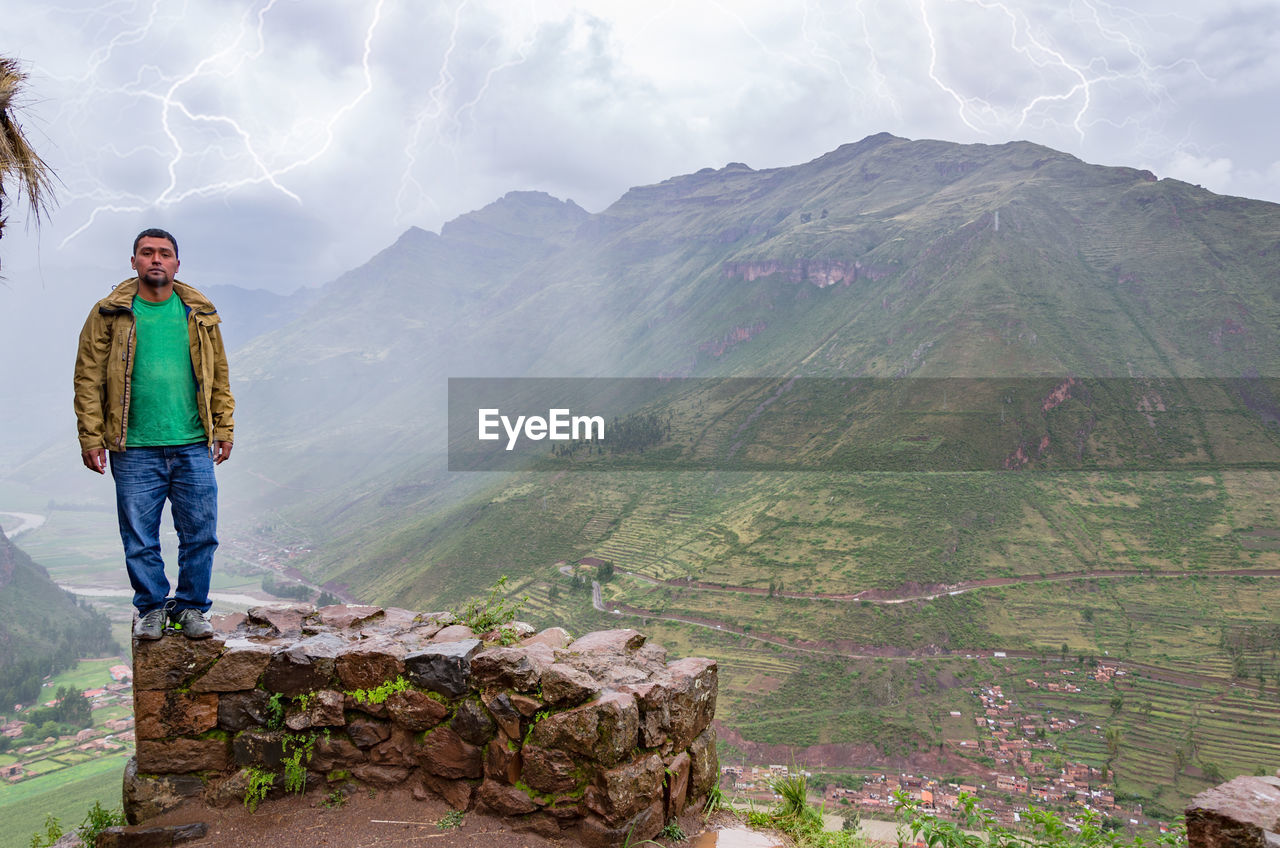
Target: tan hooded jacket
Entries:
(104, 368)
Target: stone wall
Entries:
(593, 738)
(1241, 813)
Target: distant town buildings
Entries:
(1017, 742)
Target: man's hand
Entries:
(95, 459)
(221, 451)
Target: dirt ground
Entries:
(386, 818)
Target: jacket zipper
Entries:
(198, 367)
(128, 382)
(198, 370)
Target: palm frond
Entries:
(18, 161)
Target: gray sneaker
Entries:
(192, 623)
(150, 626)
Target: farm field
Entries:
(67, 794)
(801, 586)
(68, 781)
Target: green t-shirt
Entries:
(162, 395)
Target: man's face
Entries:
(155, 261)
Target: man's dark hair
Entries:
(154, 232)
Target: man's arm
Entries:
(222, 405)
(90, 387)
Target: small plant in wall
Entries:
(298, 753)
(380, 693)
(260, 782)
(275, 711)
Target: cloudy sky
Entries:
(285, 141)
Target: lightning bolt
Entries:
(211, 142)
(879, 80)
(224, 63)
(436, 107)
(983, 116)
(449, 124)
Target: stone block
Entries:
(473, 723)
(334, 753)
(594, 832)
(397, 620)
(458, 793)
(444, 668)
(704, 772)
(553, 637)
(243, 710)
(399, 749)
(148, 795)
(1241, 813)
(517, 667)
(678, 771)
(348, 616)
(565, 686)
(541, 823)
(502, 762)
(159, 714)
(238, 669)
(504, 713)
(550, 771)
(172, 662)
(692, 685)
(618, 642)
(444, 753)
(512, 631)
(304, 666)
(183, 756)
(363, 705)
(453, 633)
(153, 836)
(370, 663)
(651, 655)
(605, 729)
(655, 712)
(323, 709)
(621, 792)
(415, 710)
(504, 800)
(227, 623)
(365, 733)
(258, 747)
(611, 671)
(284, 620)
(384, 776)
(526, 705)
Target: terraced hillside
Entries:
(853, 607)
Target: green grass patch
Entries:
(67, 794)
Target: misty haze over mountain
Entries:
(874, 598)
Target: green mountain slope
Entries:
(853, 611)
(42, 628)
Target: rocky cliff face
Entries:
(595, 738)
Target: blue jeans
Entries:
(145, 478)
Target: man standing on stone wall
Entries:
(152, 392)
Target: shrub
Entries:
(1047, 830)
(485, 614)
(97, 820)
